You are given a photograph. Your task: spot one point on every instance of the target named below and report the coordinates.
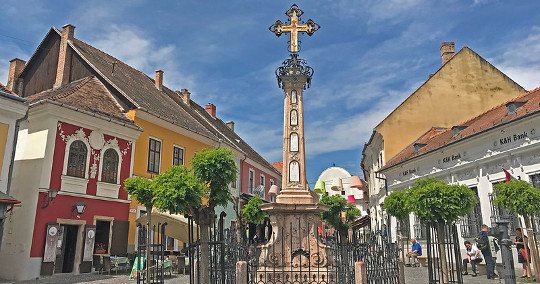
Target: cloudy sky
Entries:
(368, 55)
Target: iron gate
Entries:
(154, 272)
(444, 257)
(380, 255)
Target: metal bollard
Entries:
(506, 253)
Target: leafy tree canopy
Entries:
(217, 168)
(397, 204)
(141, 189)
(433, 200)
(252, 211)
(338, 205)
(518, 196)
(178, 191)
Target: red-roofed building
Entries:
(474, 153)
(465, 85)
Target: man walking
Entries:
(485, 248)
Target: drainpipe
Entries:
(15, 139)
(10, 171)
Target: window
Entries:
(535, 180)
(471, 223)
(109, 171)
(251, 181)
(178, 156)
(263, 181)
(77, 159)
(154, 154)
(101, 243)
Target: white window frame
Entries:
(251, 181)
(148, 155)
(183, 154)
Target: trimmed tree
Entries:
(520, 197)
(141, 189)
(216, 169)
(334, 216)
(252, 213)
(397, 204)
(435, 202)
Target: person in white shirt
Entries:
(473, 257)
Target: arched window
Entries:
(76, 166)
(294, 171)
(294, 117)
(293, 142)
(109, 171)
(293, 97)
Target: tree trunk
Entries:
(205, 218)
(441, 236)
(148, 240)
(531, 245)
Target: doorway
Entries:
(66, 248)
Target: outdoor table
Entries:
(120, 262)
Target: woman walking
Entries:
(523, 254)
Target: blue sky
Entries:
(368, 55)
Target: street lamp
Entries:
(79, 207)
(51, 195)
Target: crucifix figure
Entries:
(294, 27)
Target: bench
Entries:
(423, 260)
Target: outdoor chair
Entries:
(108, 265)
(97, 263)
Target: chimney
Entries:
(159, 79)
(16, 66)
(64, 56)
(447, 51)
(230, 124)
(186, 96)
(211, 109)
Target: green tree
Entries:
(216, 169)
(339, 209)
(397, 204)
(434, 201)
(520, 197)
(252, 212)
(141, 189)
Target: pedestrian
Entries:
(416, 251)
(523, 254)
(484, 246)
(473, 257)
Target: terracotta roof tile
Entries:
(490, 119)
(278, 166)
(87, 94)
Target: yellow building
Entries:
(12, 111)
(465, 85)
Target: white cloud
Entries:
(137, 49)
(521, 60)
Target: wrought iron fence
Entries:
(150, 266)
(444, 258)
(499, 213)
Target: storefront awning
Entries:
(177, 225)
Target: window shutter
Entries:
(120, 231)
(49, 255)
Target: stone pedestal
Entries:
(294, 249)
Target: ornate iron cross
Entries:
(294, 27)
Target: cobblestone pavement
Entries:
(419, 275)
(95, 279)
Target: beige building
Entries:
(12, 110)
(465, 85)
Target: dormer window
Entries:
(418, 146)
(457, 129)
(512, 107)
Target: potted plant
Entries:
(100, 248)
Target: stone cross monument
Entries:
(294, 76)
(294, 250)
